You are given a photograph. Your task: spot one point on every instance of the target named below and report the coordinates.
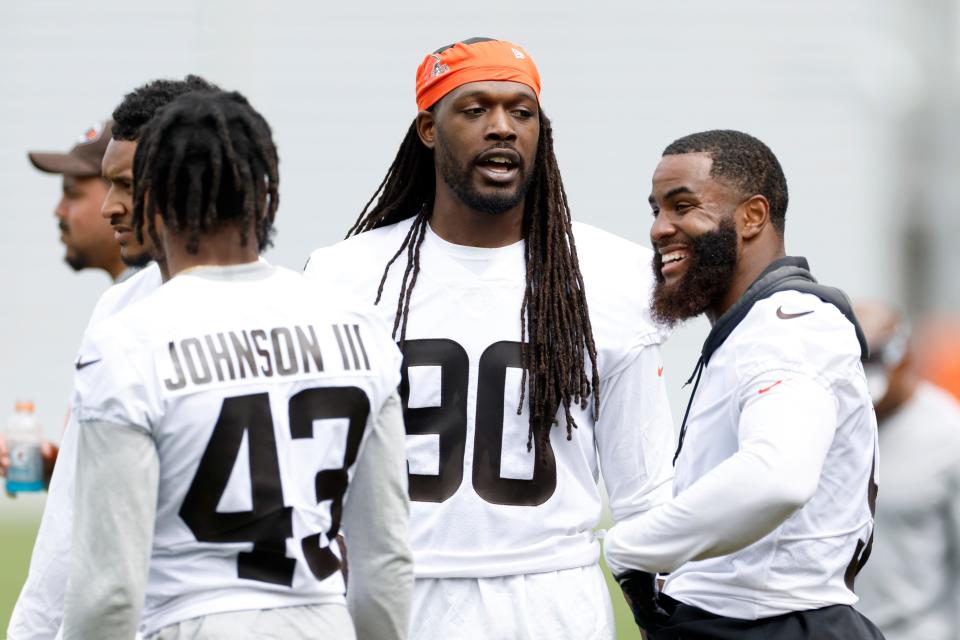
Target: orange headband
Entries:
(475, 60)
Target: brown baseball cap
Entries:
(83, 160)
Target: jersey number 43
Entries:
(269, 523)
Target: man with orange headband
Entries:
(515, 397)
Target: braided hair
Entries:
(554, 320)
(206, 159)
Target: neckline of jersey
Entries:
(472, 253)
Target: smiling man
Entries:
(470, 252)
(774, 488)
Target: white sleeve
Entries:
(116, 503)
(634, 435)
(375, 519)
(784, 435)
(39, 609)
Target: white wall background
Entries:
(824, 82)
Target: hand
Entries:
(344, 569)
(49, 453)
(640, 589)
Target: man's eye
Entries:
(682, 206)
(473, 111)
(523, 113)
(655, 212)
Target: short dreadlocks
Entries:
(206, 159)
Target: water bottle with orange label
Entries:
(24, 439)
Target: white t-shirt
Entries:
(39, 609)
(910, 588)
(482, 505)
(139, 285)
(776, 478)
(258, 389)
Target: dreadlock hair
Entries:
(140, 105)
(743, 162)
(555, 323)
(207, 159)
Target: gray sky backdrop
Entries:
(830, 85)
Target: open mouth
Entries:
(673, 261)
(499, 165)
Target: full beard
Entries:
(708, 276)
(459, 179)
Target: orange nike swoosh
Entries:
(764, 390)
(660, 372)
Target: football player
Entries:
(38, 612)
(911, 586)
(232, 420)
(775, 471)
(530, 366)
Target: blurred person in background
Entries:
(39, 609)
(88, 239)
(911, 586)
(936, 352)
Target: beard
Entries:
(75, 261)
(459, 179)
(134, 259)
(708, 276)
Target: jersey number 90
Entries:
(449, 422)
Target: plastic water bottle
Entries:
(24, 438)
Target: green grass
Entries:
(626, 627)
(16, 543)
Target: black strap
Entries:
(683, 427)
(791, 273)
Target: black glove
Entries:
(641, 592)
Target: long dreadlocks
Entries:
(206, 159)
(555, 324)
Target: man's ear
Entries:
(427, 128)
(754, 213)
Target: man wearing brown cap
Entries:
(88, 238)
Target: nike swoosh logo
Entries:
(81, 365)
(789, 316)
(765, 389)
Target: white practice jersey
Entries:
(910, 588)
(482, 504)
(258, 389)
(123, 294)
(39, 609)
(791, 355)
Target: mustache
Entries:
(502, 145)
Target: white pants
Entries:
(328, 621)
(572, 604)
